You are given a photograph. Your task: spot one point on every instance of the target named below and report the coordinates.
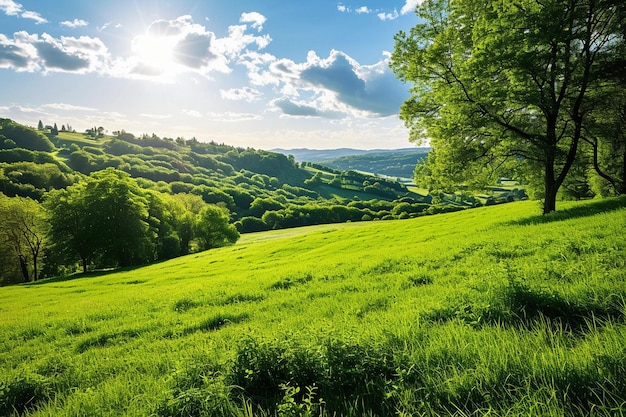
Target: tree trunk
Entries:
(550, 190)
(24, 268)
(84, 265)
(35, 268)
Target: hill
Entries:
(387, 162)
(248, 182)
(496, 310)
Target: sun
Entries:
(156, 52)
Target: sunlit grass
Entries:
(493, 310)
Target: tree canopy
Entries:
(503, 86)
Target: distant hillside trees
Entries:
(24, 137)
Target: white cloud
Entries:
(76, 23)
(363, 10)
(410, 6)
(334, 86)
(343, 8)
(257, 20)
(388, 16)
(172, 47)
(11, 8)
(165, 50)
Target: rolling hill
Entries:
(496, 310)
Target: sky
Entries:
(263, 74)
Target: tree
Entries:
(102, 220)
(22, 234)
(55, 130)
(212, 228)
(606, 134)
(495, 82)
(40, 125)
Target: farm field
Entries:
(490, 311)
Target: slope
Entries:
(495, 310)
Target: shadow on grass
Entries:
(586, 209)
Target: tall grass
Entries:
(491, 311)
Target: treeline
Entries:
(105, 220)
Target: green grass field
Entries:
(489, 311)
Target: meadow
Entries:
(490, 311)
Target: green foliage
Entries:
(22, 239)
(488, 95)
(212, 228)
(103, 219)
(24, 137)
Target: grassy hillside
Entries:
(495, 310)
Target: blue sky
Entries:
(262, 74)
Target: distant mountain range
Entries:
(389, 162)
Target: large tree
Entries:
(213, 228)
(103, 219)
(499, 81)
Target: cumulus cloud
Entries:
(11, 8)
(331, 87)
(76, 23)
(257, 20)
(170, 47)
(69, 54)
(16, 55)
(339, 84)
(363, 10)
(27, 52)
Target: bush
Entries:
(346, 373)
(251, 224)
